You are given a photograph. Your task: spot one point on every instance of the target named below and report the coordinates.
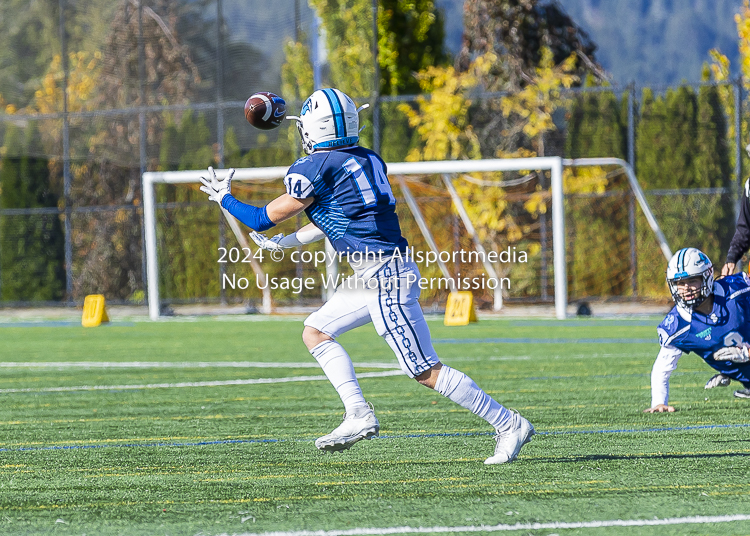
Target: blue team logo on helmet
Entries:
(305, 107)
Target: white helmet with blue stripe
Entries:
(329, 119)
(687, 263)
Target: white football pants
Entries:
(387, 295)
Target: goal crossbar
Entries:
(552, 164)
(637, 191)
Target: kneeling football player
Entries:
(710, 318)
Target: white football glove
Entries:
(719, 380)
(269, 244)
(735, 354)
(217, 189)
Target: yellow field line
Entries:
(390, 495)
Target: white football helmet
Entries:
(687, 263)
(329, 119)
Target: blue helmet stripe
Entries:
(338, 112)
(681, 260)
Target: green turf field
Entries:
(191, 445)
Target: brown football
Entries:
(265, 110)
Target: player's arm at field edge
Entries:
(741, 239)
(664, 365)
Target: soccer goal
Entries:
(451, 207)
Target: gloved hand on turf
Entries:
(217, 189)
(269, 244)
(735, 354)
(718, 380)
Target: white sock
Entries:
(462, 390)
(339, 370)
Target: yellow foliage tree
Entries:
(444, 124)
(296, 73)
(83, 71)
(742, 19)
(530, 109)
(442, 118)
(719, 70)
(296, 82)
(348, 39)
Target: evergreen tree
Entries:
(577, 121)
(610, 135)
(680, 127)
(596, 127)
(113, 264)
(652, 142)
(597, 232)
(31, 39)
(713, 169)
(410, 39)
(712, 166)
(189, 235)
(682, 144)
(31, 246)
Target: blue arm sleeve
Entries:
(254, 217)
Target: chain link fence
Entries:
(169, 86)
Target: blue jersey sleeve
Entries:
(299, 180)
(670, 329)
(254, 217)
(737, 288)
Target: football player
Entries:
(344, 190)
(710, 318)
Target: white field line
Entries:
(191, 384)
(692, 520)
(530, 358)
(179, 365)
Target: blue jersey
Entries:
(354, 205)
(728, 324)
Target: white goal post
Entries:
(442, 168)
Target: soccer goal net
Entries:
(507, 230)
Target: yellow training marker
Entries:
(94, 311)
(459, 310)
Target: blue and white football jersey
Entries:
(354, 205)
(728, 324)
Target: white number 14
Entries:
(363, 182)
